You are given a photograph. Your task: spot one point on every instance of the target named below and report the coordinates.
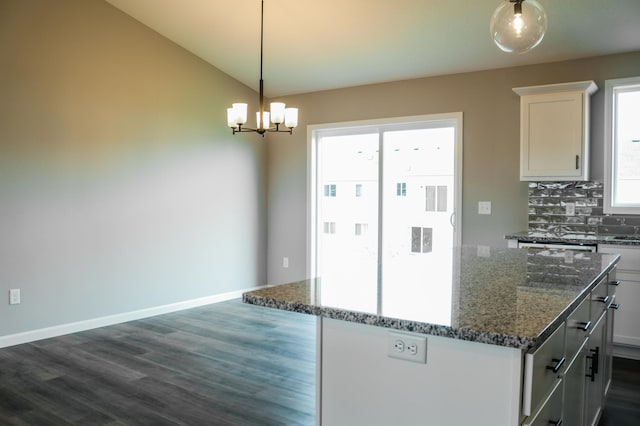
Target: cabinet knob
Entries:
(604, 299)
(614, 282)
(556, 422)
(615, 306)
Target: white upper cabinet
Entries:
(554, 131)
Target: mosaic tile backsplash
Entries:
(548, 211)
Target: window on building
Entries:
(436, 198)
(401, 189)
(421, 240)
(361, 228)
(622, 146)
(330, 190)
(329, 227)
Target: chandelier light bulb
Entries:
(518, 26)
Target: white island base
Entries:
(462, 382)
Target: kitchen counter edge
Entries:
(519, 342)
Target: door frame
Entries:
(454, 119)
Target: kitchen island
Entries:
(502, 355)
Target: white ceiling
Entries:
(312, 45)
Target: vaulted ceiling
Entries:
(312, 45)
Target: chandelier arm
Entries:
(276, 129)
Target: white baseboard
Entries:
(75, 327)
(626, 351)
(626, 340)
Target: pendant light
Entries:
(518, 26)
(237, 114)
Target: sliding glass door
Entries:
(383, 216)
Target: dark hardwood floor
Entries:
(222, 364)
(623, 402)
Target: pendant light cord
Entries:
(261, 121)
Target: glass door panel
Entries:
(347, 220)
(417, 231)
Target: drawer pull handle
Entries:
(556, 422)
(603, 299)
(558, 366)
(614, 306)
(584, 326)
(594, 363)
(614, 282)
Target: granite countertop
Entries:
(507, 297)
(545, 237)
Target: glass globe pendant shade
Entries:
(518, 26)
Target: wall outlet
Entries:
(14, 296)
(570, 209)
(407, 347)
(285, 262)
(484, 207)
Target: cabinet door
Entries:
(608, 359)
(626, 331)
(595, 372)
(574, 389)
(551, 411)
(552, 135)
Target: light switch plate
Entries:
(14, 296)
(484, 207)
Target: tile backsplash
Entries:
(548, 210)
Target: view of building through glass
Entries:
(384, 220)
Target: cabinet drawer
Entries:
(551, 411)
(599, 299)
(542, 369)
(578, 328)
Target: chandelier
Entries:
(237, 114)
(518, 26)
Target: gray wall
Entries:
(120, 186)
(491, 145)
